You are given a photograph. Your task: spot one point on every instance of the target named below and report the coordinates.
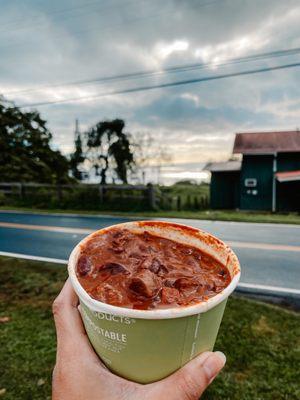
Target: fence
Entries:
(92, 195)
(180, 202)
(98, 197)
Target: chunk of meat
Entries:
(169, 282)
(155, 265)
(136, 259)
(163, 270)
(113, 268)
(84, 265)
(145, 283)
(209, 286)
(186, 283)
(152, 249)
(118, 247)
(170, 295)
(136, 255)
(108, 294)
(119, 242)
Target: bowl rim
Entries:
(166, 313)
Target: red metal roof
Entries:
(267, 142)
(288, 176)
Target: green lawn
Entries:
(261, 341)
(214, 215)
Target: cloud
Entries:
(65, 41)
(164, 50)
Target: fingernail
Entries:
(221, 356)
(212, 367)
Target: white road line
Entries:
(263, 246)
(85, 231)
(34, 258)
(269, 288)
(264, 288)
(48, 228)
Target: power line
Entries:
(174, 69)
(164, 85)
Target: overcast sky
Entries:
(45, 42)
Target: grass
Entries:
(187, 192)
(261, 341)
(214, 215)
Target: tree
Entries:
(109, 148)
(150, 154)
(77, 158)
(25, 152)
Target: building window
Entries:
(250, 182)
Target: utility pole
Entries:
(77, 131)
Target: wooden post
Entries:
(151, 196)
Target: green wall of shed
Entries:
(259, 167)
(224, 190)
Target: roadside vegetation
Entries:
(182, 196)
(261, 341)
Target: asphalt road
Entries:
(269, 253)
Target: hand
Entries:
(80, 375)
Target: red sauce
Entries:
(144, 271)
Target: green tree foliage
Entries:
(25, 152)
(109, 148)
(77, 158)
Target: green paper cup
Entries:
(148, 345)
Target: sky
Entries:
(52, 43)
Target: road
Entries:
(269, 253)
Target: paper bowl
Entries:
(148, 345)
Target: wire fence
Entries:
(97, 197)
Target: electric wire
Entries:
(163, 85)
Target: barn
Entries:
(267, 177)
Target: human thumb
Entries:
(190, 381)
